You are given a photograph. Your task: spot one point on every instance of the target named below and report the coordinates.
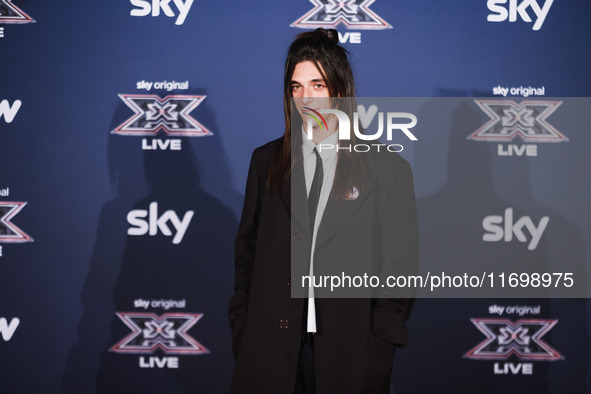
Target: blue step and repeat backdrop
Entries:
(126, 129)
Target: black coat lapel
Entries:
(294, 196)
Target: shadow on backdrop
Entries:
(125, 268)
(450, 229)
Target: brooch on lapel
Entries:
(353, 194)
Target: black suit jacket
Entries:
(357, 337)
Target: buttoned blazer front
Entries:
(375, 230)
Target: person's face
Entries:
(309, 90)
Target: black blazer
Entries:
(357, 337)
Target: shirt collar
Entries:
(309, 145)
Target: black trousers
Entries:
(306, 376)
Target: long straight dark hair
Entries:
(321, 47)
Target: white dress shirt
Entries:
(329, 165)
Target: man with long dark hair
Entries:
(329, 208)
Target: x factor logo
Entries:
(509, 119)
(170, 114)
(522, 338)
(167, 332)
(9, 13)
(8, 231)
(354, 14)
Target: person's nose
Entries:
(306, 98)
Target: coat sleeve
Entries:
(398, 246)
(245, 249)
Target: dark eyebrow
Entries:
(313, 80)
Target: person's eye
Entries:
(319, 86)
(295, 87)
